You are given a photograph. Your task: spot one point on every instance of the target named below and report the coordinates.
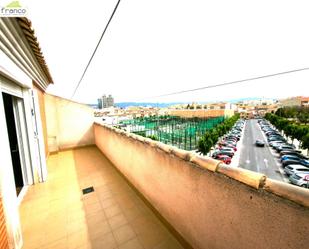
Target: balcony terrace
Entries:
(57, 215)
(205, 203)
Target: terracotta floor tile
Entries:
(108, 202)
(56, 214)
(58, 244)
(131, 244)
(99, 215)
(107, 242)
(78, 239)
(112, 210)
(123, 234)
(168, 244)
(132, 213)
(125, 202)
(76, 226)
(117, 221)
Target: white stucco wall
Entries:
(69, 124)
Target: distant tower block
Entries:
(105, 101)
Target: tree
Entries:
(305, 142)
(281, 123)
(290, 131)
(205, 143)
(303, 118)
(211, 137)
(214, 135)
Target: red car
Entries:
(224, 158)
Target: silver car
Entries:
(300, 179)
(295, 168)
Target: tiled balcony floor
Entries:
(56, 215)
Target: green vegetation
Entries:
(183, 133)
(211, 137)
(291, 129)
(153, 137)
(297, 113)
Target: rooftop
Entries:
(57, 215)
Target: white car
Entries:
(300, 179)
(295, 168)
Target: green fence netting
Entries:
(183, 133)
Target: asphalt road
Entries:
(260, 159)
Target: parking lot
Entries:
(260, 159)
(258, 146)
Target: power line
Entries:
(232, 82)
(95, 50)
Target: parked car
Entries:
(273, 143)
(259, 143)
(224, 143)
(295, 168)
(276, 146)
(222, 152)
(287, 151)
(293, 153)
(290, 157)
(231, 138)
(295, 161)
(271, 133)
(227, 149)
(300, 179)
(284, 146)
(275, 138)
(224, 158)
(227, 146)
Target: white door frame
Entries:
(23, 141)
(29, 130)
(38, 131)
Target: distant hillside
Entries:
(162, 105)
(246, 99)
(145, 104)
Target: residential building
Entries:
(106, 188)
(100, 103)
(295, 101)
(105, 101)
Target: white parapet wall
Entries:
(69, 124)
(209, 204)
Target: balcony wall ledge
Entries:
(288, 191)
(249, 178)
(206, 162)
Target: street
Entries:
(260, 159)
